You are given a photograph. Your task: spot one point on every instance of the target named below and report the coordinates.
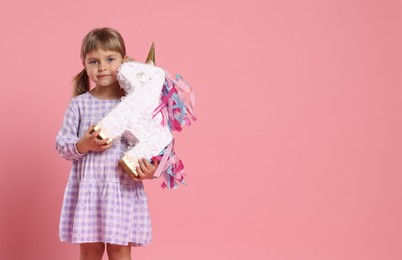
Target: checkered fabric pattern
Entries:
(101, 202)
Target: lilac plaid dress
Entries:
(101, 202)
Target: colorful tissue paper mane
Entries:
(154, 106)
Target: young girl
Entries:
(103, 206)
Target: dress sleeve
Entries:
(67, 137)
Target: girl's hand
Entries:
(90, 142)
(146, 170)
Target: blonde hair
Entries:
(106, 39)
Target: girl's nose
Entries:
(101, 66)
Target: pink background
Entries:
(297, 151)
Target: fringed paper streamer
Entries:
(175, 114)
(171, 166)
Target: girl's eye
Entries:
(92, 62)
(110, 59)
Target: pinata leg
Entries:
(128, 166)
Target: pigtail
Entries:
(81, 83)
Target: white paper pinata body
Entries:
(133, 116)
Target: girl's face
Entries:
(101, 67)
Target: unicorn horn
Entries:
(151, 55)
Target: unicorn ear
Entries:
(151, 55)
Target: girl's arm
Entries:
(68, 135)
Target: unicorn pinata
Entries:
(154, 106)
